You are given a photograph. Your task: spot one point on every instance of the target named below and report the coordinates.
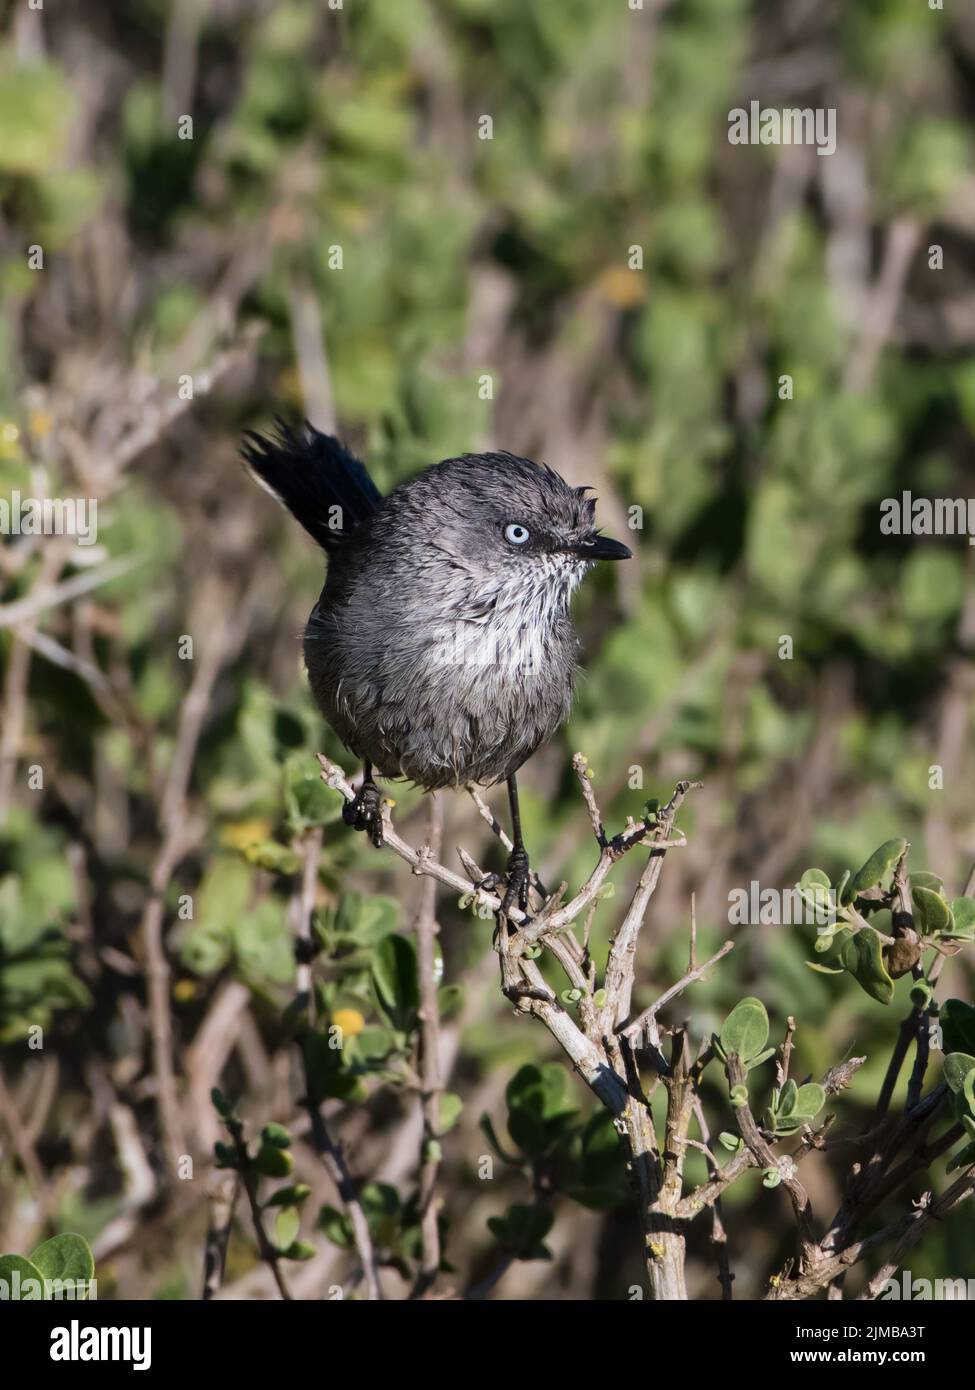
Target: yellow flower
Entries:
(240, 834)
(350, 1021)
(621, 287)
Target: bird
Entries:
(441, 649)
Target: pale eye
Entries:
(516, 533)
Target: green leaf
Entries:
(220, 1103)
(286, 1227)
(880, 863)
(863, 957)
(810, 1099)
(336, 1227)
(957, 1065)
(963, 918)
(522, 1230)
(451, 1106)
(542, 1090)
(486, 1126)
(921, 878)
(538, 1107)
(394, 974)
(745, 1030)
(289, 1196)
(274, 1162)
(957, 1020)
(813, 879)
(15, 1268)
(277, 1135)
(65, 1257)
(308, 801)
(932, 911)
(786, 1102)
(733, 1142)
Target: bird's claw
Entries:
(518, 881)
(364, 812)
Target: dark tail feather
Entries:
(322, 485)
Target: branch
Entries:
(333, 1159)
(431, 1080)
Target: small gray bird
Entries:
(441, 648)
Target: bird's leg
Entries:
(518, 870)
(364, 811)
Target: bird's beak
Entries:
(596, 547)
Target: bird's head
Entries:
(508, 515)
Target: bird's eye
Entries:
(516, 533)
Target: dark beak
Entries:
(598, 547)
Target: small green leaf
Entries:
(754, 1062)
(810, 1099)
(733, 1142)
(336, 1227)
(273, 1162)
(220, 1103)
(771, 1178)
(880, 863)
(921, 994)
(21, 1274)
(289, 1196)
(957, 1065)
(286, 1227)
(394, 973)
(786, 1102)
(276, 1135)
(863, 957)
(451, 1106)
(958, 1026)
(745, 1030)
(963, 919)
(932, 910)
(65, 1257)
(923, 879)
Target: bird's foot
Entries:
(518, 881)
(364, 811)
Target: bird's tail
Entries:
(322, 485)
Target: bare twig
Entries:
(429, 1062)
